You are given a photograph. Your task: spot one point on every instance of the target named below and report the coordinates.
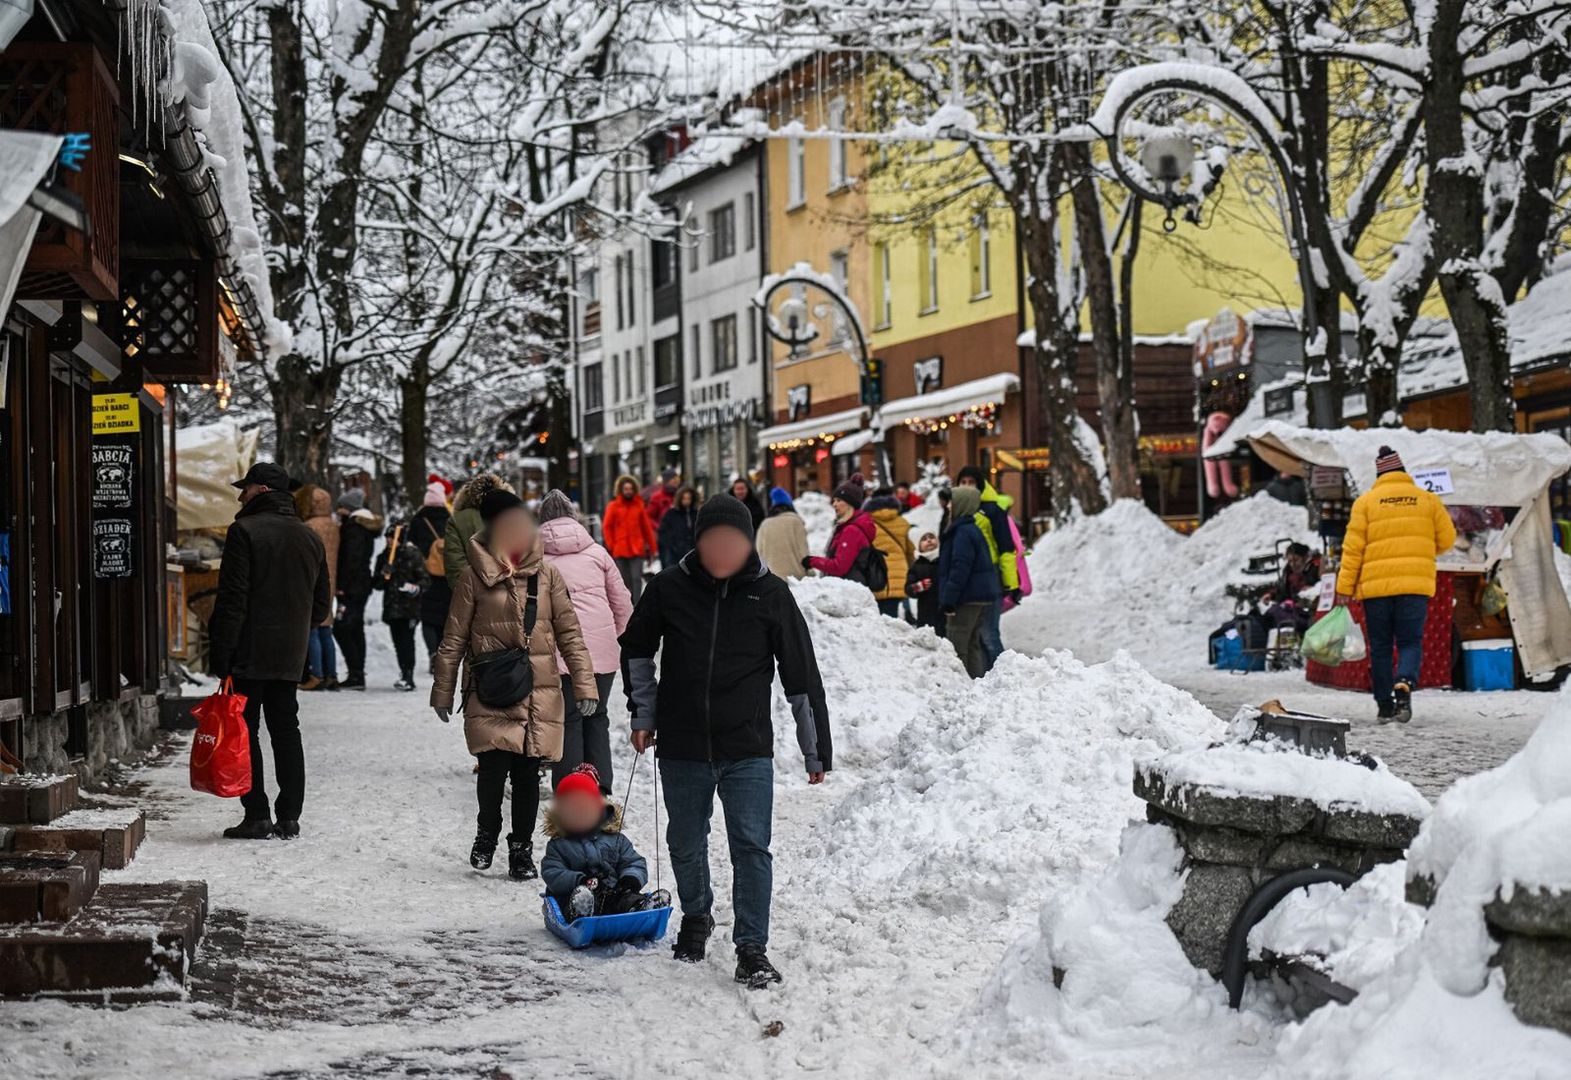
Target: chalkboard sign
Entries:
(113, 548)
(114, 474)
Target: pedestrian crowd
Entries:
(527, 621)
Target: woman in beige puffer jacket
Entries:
(487, 615)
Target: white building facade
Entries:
(627, 342)
(716, 188)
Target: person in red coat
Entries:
(628, 535)
(854, 530)
(659, 497)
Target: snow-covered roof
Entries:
(708, 150)
(174, 36)
(1487, 469)
(1253, 416)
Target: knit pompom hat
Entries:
(435, 495)
(1387, 461)
(852, 493)
(584, 780)
(780, 497)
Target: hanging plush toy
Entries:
(1219, 471)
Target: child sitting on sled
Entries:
(590, 867)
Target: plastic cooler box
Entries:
(1489, 664)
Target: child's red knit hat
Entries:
(584, 780)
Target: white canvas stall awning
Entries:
(25, 160)
(950, 399)
(813, 427)
(208, 459)
(1489, 469)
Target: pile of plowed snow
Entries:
(1124, 580)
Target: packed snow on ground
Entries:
(1124, 580)
(369, 947)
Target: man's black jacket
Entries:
(719, 644)
(272, 589)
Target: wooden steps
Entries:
(62, 934)
(135, 942)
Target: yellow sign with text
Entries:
(116, 414)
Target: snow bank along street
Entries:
(967, 844)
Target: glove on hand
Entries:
(587, 707)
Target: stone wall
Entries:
(1234, 843)
(1533, 928)
(116, 732)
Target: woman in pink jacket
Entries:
(603, 605)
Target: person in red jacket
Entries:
(854, 530)
(628, 534)
(659, 497)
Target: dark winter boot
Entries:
(753, 967)
(485, 847)
(692, 937)
(1402, 703)
(356, 681)
(251, 829)
(406, 680)
(521, 860)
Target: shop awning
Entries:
(951, 400)
(850, 444)
(814, 427)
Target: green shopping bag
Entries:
(1334, 639)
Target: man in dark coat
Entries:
(357, 533)
(722, 624)
(272, 589)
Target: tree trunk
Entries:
(1114, 378)
(303, 397)
(1454, 201)
(413, 438)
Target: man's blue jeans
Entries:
(1394, 621)
(321, 654)
(993, 633)
(747, 798)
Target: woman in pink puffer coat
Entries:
(603, 605)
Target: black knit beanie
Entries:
(724, 509)
(497, 502)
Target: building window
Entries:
(662, 263)
(837, 147)
(594, 388)
(840, 268)
(697, 359)
(796, 176)
(619, 292)
(722, 232)
(627, 373)
(643, 386)
(668, 361)
(722, 338)
(927, 276)
(632, 316)
(616, 378)
(885, 292)
(981, 258)
(749, 222)
(752, 335)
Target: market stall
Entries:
(1495, 486)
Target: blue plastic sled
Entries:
(605, 929)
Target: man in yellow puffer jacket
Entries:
(1396, 533)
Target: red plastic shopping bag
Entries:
(221, 751)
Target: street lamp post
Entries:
(1168, 159)
(792, 325)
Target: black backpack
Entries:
(871, 568)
